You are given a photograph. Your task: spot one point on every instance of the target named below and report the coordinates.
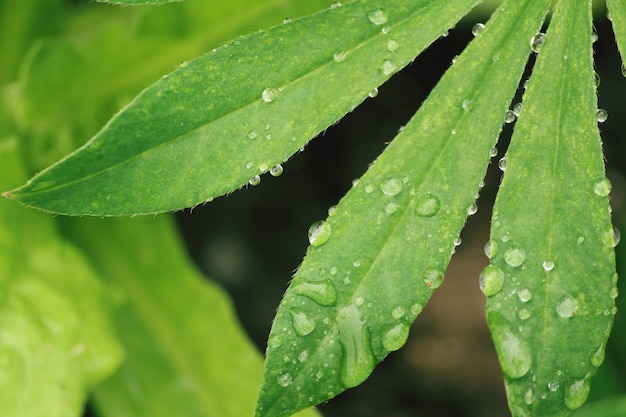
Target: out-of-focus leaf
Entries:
(551, 279)
(610, 407)
(55, 337)
(185, 351)
(617, 13)
(377, 259)
(233, 114)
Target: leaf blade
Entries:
(617, 10)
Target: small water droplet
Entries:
(256, 180)
(523, 314)
(378, 17)
(391, 208)
(359, 301)
(286, 20)
(612, 237)
(576, 394)
(356, 264)
(252, 135)
(249, 164)
(473, 209)
(602, 115)
(547, 266)
(623, 69)
(392, 45)
(567, 307)
(553, 386)
(340, 56)
(277, 170)
(319, 233)
(427, 205)
(598, 357)
(509, 117)
(302, 323)
(285, 380)
(602, 187)
(491, 248)
(467, 105)
(524, 295)
(477, 29)
(493, 152)
(395, 338)
(515, 257)
(269, 95)
(502, 164)
(274, 341)
(322, 292)
(433, 278)
(537, 41)
(388, 67)
(458, 241)
(416, 309)
(373, 93)
(263, 167)
(517, 109)
(386, 29)
(391, 187)
(303, 356)
(491, 280)
(335, 5)
(398, 312)
(354, 337)
(529, 397)
(594, 36)
(505, 237)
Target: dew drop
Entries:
(269, 95)
(285, 380)
(623, 69)
(473, 209)
(491, 280)
(524, 295)
(547, 266)
(386, 29)
(513, 352)
(536, 42)
(359, 301)
(398, 312)
(391, 208)
(602, 115)
(509, 116)
(491, 248)
(493, 152)
(252, 135)
(502, 164)
(335, 5)
(477, 29)
(263, 167)
(567, 307)
(322, 292)
(416, 309)
(529, 397)
(598, 357)
(612, 237)
(433, 278)
(302, 323)
(332, 210)
(286, 20)
(553, 386)
(576, 394)
(467, 105)
(319, 233)
(303, 356)
(388, 67)
(392, 45)
(340, 56)
(378, 17)
(277, 170)
(523, 314)
(515, 257)
(395, 338)
(256, 180)
(602, 187)
(274, 341)
(517, 109)
(391, 187)
(373, 93)
(249, 165)
(354, 337)
(427, 205)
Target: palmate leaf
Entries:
(377, 259)
(232, 114)
(551, 281)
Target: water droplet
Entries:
(427, 205)
(286, 20)
(523, 314)
(392, 45)
(477, 29)
(612, 237)
(263, 167)
(594, 36)
(398, 312)
(515, 257)
(529, 397)
(513, 352)
(274, 341)
(433, 278)
(252, 135)
(249, 164)
(509, 116)
(303, 356)
(577, 393)
(354, 337)
(395, 338)
(322, 292)
(277, 170)
(302, 323)
(467, 105)
(547, 266)
(340, 56)
(553, 386)
(391, 187)
(386, 29)
(335, 5)
(373, 93)
(359, 301)
(458, 241)
(491, 248)
(525, 295)
(598, 357)
(378, 17)
(256, 180)
(502, 164)
(491, 280)
(388, 67)
(623, 69)
(602, 187)
(567, 307)
(319, 233)
(391, 208)
(356, 264)
(285, 380)
(473, 209)
(493, 152)
(536, 42)
(517, 109)
(602, 115)
(505, 237)
(416, 309)
(269, 95)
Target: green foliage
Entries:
(219, 121)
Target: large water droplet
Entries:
(322, 292)
(302, 323)
(269, 94)
(536, 42)
(391, 187)
(285, 380)
(513, 352)
(477, 29)
(395, 338)
(433, 278)
(567, 307)
(378, 17)
(491, 280)
(515, 257)
(354, 337)
(577, 393)
(427, 205)
(319, 233)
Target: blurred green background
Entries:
(67, 66)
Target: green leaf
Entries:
(186, 354)
(56, 342)
(617, 13)
(610, 407)
(137, 2)
(551, 279)
(220, 120)
(376, 260)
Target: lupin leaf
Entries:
(617, 13)
(376, 260)
(225, 117)
(551, 279)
